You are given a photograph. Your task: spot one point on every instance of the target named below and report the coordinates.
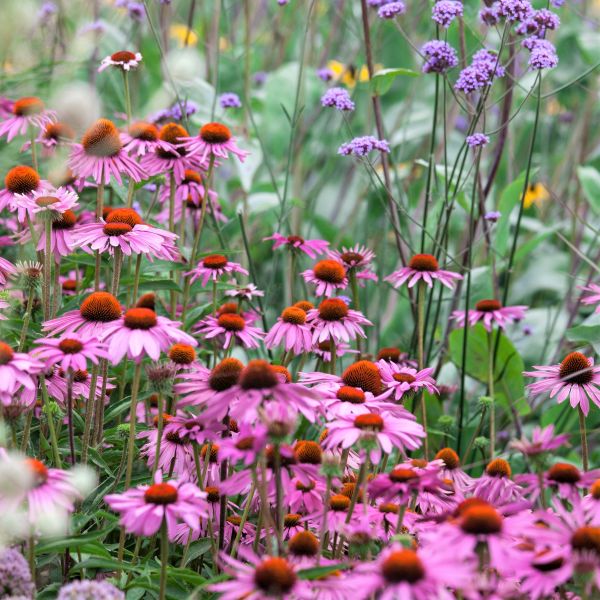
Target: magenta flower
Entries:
(333, 320)
(452, 471)
(101, 156)
(376, 432)
(20, 180)
(137, 239)
(324, 350)
(140, 332)
(291, 329)
(496, 486)
(356, 257)
(328, 275)
(176, 453)
(140, 138)
(7, 269)
(18, 373)
(96, 313)
(594, 297)
(265, 577)
(229, 327)
(51, 203)
(26, 112)
(144, 508)
(60, 237)
(214, 140)
(123, 60)
(422, 267)
(490, 313)
(295, 242)
(402, 381)
(170, 154)
(402, 573)
(542, 440)
(70, 352)
(575, 378)
(190, 191)
(212, 267)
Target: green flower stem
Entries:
(135, 386)
(159, 431)
(70, 415)
(584, 444)
(26, 318)
(51, 428)
(47, 267)
(164, 560)
(491, 382)
(421, 356)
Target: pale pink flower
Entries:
(328, 276)
(594, 297)
(49, 202)
(490, 313)
(333, 320)
(229, 327)
(7, 269)
(295, 242)
(575, 378)
(402, 381)
(291, 329)
(70, 352)
(542, 440)
(26, 112)
(214, 140)
(213, 267)
(140, 138)
(123, 60)
(18, 374)
(422, 267)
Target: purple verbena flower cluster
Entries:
(337, 98)
(440, 56)
(15, 577)
(477, 139)
(445, 11)
(391, 10)
(90, 590)
(230, 100)
(361, 146)
(543, 54)
(515, 10)
(483, 68)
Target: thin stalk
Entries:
(70, 414)
(584, 444)
(135, 386)
(421, 356)
(51, 428)
(159, 430)
(47, 267)
(99, 206)
(26, 319)
(491, 382)
(238, 535)
(324, 519)
(136, 276)
(118, 263)
(127, 95)
(89, 413)
(164, 560)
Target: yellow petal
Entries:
(180, 32)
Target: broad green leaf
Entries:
(382, 81)
(510, 197)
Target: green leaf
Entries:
(317, 572)
(587, 332)
(508, 372)
(159, 284)
(382, 81)
(198, 548)
(589, 178)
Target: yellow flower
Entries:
(537, 194)
(348, 75)
(179, 32)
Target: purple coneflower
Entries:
(405, 381)
(333, 320)
(214, 140)
(49, 202)
(140, 138)
(542, 440)
(18, 373)
(20, 180)
(490, 313)
(123, 60)
(291, 329)
(422, 267)
(328, 275)
(295, 242)
(7, 269)
(230, 326)
(70, 352)
(213, 267)
(26, 112)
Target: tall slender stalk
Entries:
(164, 560)
(584, 444)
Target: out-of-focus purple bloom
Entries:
(337, 98)
(325, 74)
(377, 3)
(483, 68)
(15, 577)
(175, 113)
(515, 10)
(136, 10)
(260, 77)
(527, 330)
(283, 2)
(543, 55)
(391, 10)
(557, 3)
(492, 216)
(90, 590)
(361, 146)
(98, 26)
(477, 139)
(445, 11)
(440, 56)
(488, 15)
(230, 100)
(47, 10)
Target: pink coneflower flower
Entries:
(7, 269)
(123, 60)
(55, 134)
(575, 378)
(405, 381)
(305, 497)
(324, 350)
(50, 203)
(60, 239)
(261, 387)
(401, 483)
(333, 320)
(310, 247)
(141, 138)
(190, 190)
(383, 432)
(26, 111)
(144, 508)
(140, 332)
(170, 155)
(51, 494)
(542, 440)
(214, 140)
(490, 313)
(199, 386)
(291, 329)
(564, 479)
(18, 371)
(422, 267)
(70, 352)
(496, 486)
(265, 577)
(95, 314)
(362, 374)
(357, 260)
(101, 156)
(229, 327)
(176, 453)
(452, 470)
(594, 298)
(213, 267)
(244, 292)
(541, 572)
(591, 502)
(423, 574)
(124, 229)
(395, 355)
(245, 446)
(328, 275)
(21, 180)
